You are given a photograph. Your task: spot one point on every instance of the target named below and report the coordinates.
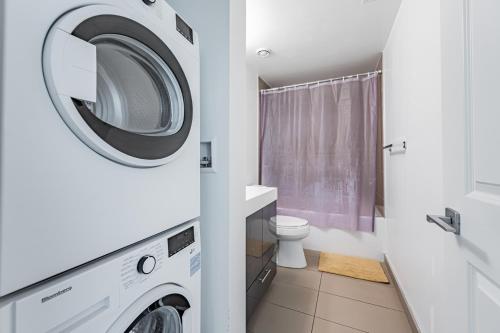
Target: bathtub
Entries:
(353, 243)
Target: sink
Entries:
(258, 197)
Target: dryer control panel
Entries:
(180, 241)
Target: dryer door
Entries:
(118, 85)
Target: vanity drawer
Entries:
(259, 287)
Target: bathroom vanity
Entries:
(261, 242)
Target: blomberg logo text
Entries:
(59, 293)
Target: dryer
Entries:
(151, 287)
(99, 131)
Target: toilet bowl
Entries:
(290, 231)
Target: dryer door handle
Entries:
(73, 65)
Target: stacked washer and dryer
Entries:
(99, 168)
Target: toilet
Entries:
(290, 231)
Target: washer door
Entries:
(118, 86)
(164, 309)
(162, 316)
(164, 319)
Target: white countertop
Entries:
(258, 197)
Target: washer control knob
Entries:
(149, 2)
(146, 264)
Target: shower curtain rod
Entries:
(321, 81)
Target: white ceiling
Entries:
(317, 39)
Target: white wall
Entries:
(237, 216)
(221, 28)
(412, 88)
(252, 127)
(353, 243)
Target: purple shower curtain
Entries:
(318, 147)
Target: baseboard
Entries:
(404, 302)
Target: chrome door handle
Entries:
(449, 223)
(262, 280)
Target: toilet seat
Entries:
(291, 221)
(299, 232)
(290, 226)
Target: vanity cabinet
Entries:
(261, 247)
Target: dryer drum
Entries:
(144, 106)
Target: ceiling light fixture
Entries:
(263, 53)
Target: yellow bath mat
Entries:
(359, 268)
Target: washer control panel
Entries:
(180, 241)
(139, 265)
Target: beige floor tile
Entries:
(360, 315)
(292, 297)
(298, 277)
(366, 291)
(323, 326)
(270, 318)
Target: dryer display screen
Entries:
(180, 241)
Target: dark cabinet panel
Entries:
(269, 240)
(261, 247)
(259, 287)
(253, 247)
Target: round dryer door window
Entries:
(118, 86)
(136, 90)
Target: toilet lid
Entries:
(290, 221)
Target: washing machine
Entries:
(99, 114)
(153, 286)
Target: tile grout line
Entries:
(295, 285)
(287, 308)
(341, 324)
(358, 300)
(316, 310)
(317, 299)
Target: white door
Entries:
(470, 263)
